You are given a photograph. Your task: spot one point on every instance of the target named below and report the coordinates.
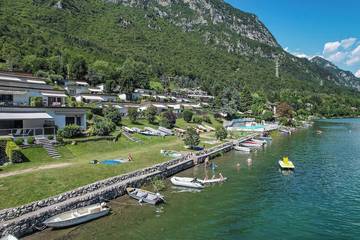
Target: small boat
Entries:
(286, 164)
(9, 237)
(169, 153)
(187, 182)
(242, 149)
(78, 216)
(251, 144)
(129, 130)
(212, 181)
(145, 196)
(265, 138)
(166, 130)
(263, 142)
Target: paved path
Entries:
(34, 169)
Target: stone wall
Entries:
(26, 219)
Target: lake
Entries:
(320, 200)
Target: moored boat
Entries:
(263, 142)
(78, 216)
(187, 182)
(286, 164)
(9, 237)
(242, 149)
(145, 196)
(251, 144)
(265, 138)
(213, 181)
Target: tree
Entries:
(113, 114)
(221, 133)
(267, 116)
(245, 100)
(133, 75)
(103, 126)
(168, 119)
(188, 115)
(150, 114)
(284, 110)
(79, 69)
(192, 138)
(133, 115)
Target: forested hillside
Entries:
(163, 44)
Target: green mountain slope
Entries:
(181, 42)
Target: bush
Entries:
(50, 137)
(192, 138)
(113, 115)
(158, 184)
(19, 141)
(187, 115)
(150, 114)
(31, 140)
(197, 119)
(36, 101)
(59, 139)
(103, 127)
(70, 131)
(267, 116)
(221, 133)
(133, 115)
(168, 119)
(207, 119)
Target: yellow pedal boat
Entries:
(286, 164)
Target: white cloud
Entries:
(337, 57)
(346, 43)
(330, 47)
(354, 56)
(357, 74)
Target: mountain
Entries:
(183, 43)
(331, 72)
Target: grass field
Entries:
(24, 188)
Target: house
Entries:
(160, 108)
(30, 107)
(38, 121)
(200, 97)
(91, 98)
(76, 87)
(139, 93)
(175, 108)
(19, 91)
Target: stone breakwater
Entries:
(27, 219)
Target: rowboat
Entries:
(242, 149)
(213, 181)
(145, 196)
(263, 142)
(9, 237)
(286, 164)
(251, 144)
(78, 216)
(187, 182)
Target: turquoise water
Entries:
(252, 127)
(320, 200)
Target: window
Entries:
(78, 121)
(69, 120)
(6, 99)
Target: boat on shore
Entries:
(187, 182)
(286, 164)
(145, 196)
(242, 149)
(78, 216)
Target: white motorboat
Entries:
(251, 144)
(145, 196)
(242, 149)
(263, 142)
(78, 216)
(187, 182)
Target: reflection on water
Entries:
(320, 200)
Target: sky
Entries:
(308, 28)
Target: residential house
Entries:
(76, 87)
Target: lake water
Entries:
(320, 200)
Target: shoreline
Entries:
(25, 219)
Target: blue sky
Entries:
(329, 28)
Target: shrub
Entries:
(187, 115)
(113, 115)
(59, 139)
(267, 116)
(50, 137)
(36, 101)
(207, 119)
(192, 138)
(19, 141)
(133, 115)
(221, 133)
(103, 127)
(197, 119)
(150, 114)
(70, 131)
(158, 184)
(31, 140)
(168, 119)
(14, 153)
